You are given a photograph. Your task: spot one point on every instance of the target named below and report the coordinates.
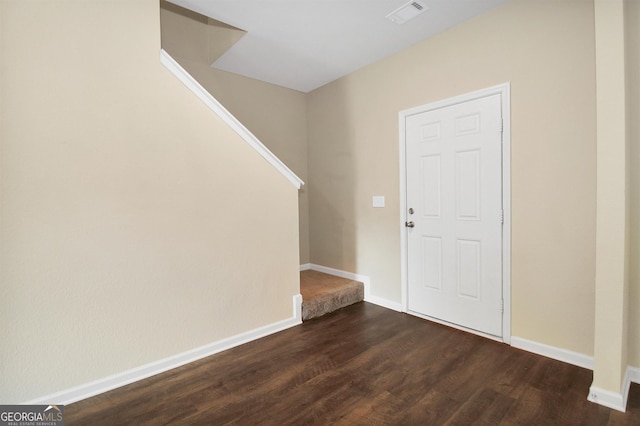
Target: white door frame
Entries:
(504, 90)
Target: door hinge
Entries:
(502, 306)
(501, 216)
(502, 125)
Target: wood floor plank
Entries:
(361, 365)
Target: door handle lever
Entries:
(409, 224)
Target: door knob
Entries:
(409, 224)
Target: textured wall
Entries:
(134, 225)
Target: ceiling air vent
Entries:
(407, 11)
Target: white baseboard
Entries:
(368, 297)
(564, 355)
(607, 398)
(99, 386)
(338, 273)
(613, 400)
(624, 391)
(616, 401)
(385, 303)
(305, 267)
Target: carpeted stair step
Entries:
(323, 293)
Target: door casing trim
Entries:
(504, 90)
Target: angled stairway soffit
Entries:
(193, 36)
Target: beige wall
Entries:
(276, 115)
(612, 242)
(134, 225)
(546, 51)
(632, 26)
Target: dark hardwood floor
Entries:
(361, 365)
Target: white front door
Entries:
(454, 214)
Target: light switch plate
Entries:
(378, 201)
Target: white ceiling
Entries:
(304, 44)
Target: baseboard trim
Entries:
(607, 398)
(368, 297)
(305, 267)
(385, 303)
(99, 386)
(613, 400)
(564, 355)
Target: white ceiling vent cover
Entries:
(407, 11)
